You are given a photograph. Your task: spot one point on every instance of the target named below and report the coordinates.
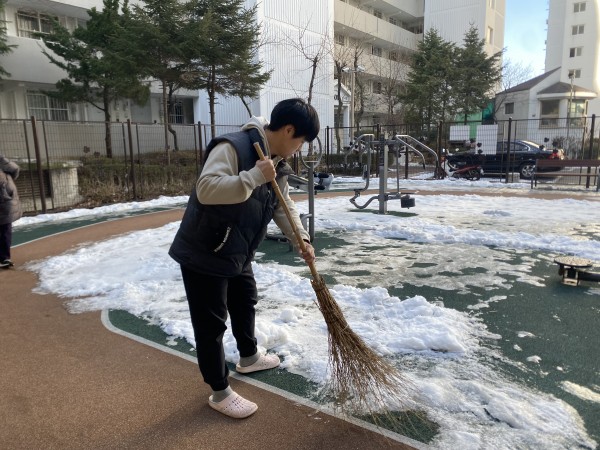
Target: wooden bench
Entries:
(588, 170)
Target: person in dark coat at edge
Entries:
(10, 208)
(225, 220)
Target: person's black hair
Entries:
(298, 113)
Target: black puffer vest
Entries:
(221, 240)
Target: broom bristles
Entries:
(361, 380)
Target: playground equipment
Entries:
(573, 269)
(399, 144)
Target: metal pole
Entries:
(351, 105)
(508, 149)
(36, 146)
(383, 163)
(131, 158)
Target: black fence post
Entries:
(592, 126)
(130, 136)
(38, 157)
(51, 193)
(508, 149)
(327, 143)
(200, 150)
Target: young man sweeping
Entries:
(225, 221)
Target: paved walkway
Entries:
(67, 382)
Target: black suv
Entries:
(521, 158)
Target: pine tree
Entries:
(227, 38)
(5, 48)
(97, 63)
(157, 31)
(428, 95)
(480, 74)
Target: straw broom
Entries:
(361, 380)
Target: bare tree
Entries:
(345, 56)
(513, 74)
(391, 74)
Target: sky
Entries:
(449, 354)
(525, 33)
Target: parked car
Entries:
(521, 158)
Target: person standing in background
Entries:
(10, 208)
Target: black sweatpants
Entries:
(5, 241)
(210, 298)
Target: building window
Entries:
(490, 36)
(576, 112)
(549, 113)
(43, 107)
(377, 51)
(176, 115)
(340, 39)
(577, 29)
(575, 73)
(579, 7)
(378, 14)
(377, 87)
(394, 21)
(30, 22)
(509, 108)
(575, 51)
(394, 56)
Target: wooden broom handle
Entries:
(291, 220)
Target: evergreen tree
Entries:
(225, 63)
(428, 92)
(157, 31)
(97, 63)
(480, 74)
(4, 46)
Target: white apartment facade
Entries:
(389, 31)
(573, 44)
(555, 103)
(295, 31)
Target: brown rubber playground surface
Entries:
(67, 382)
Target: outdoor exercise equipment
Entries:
(573, 269)
(309, 159)
(399, 144)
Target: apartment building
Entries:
(382, 33)
(387, 32)
(556, 103)
(573, 45)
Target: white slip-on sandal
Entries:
(264, 362)
(234, 406)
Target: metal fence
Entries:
(65, 164)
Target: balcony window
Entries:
(377, 51)
(549, 113)
(340, 39)
(378, 14)
(577, 112)
(575, 51)
(377, 87)
(43, 107)
(30, 22)
(490, 36)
